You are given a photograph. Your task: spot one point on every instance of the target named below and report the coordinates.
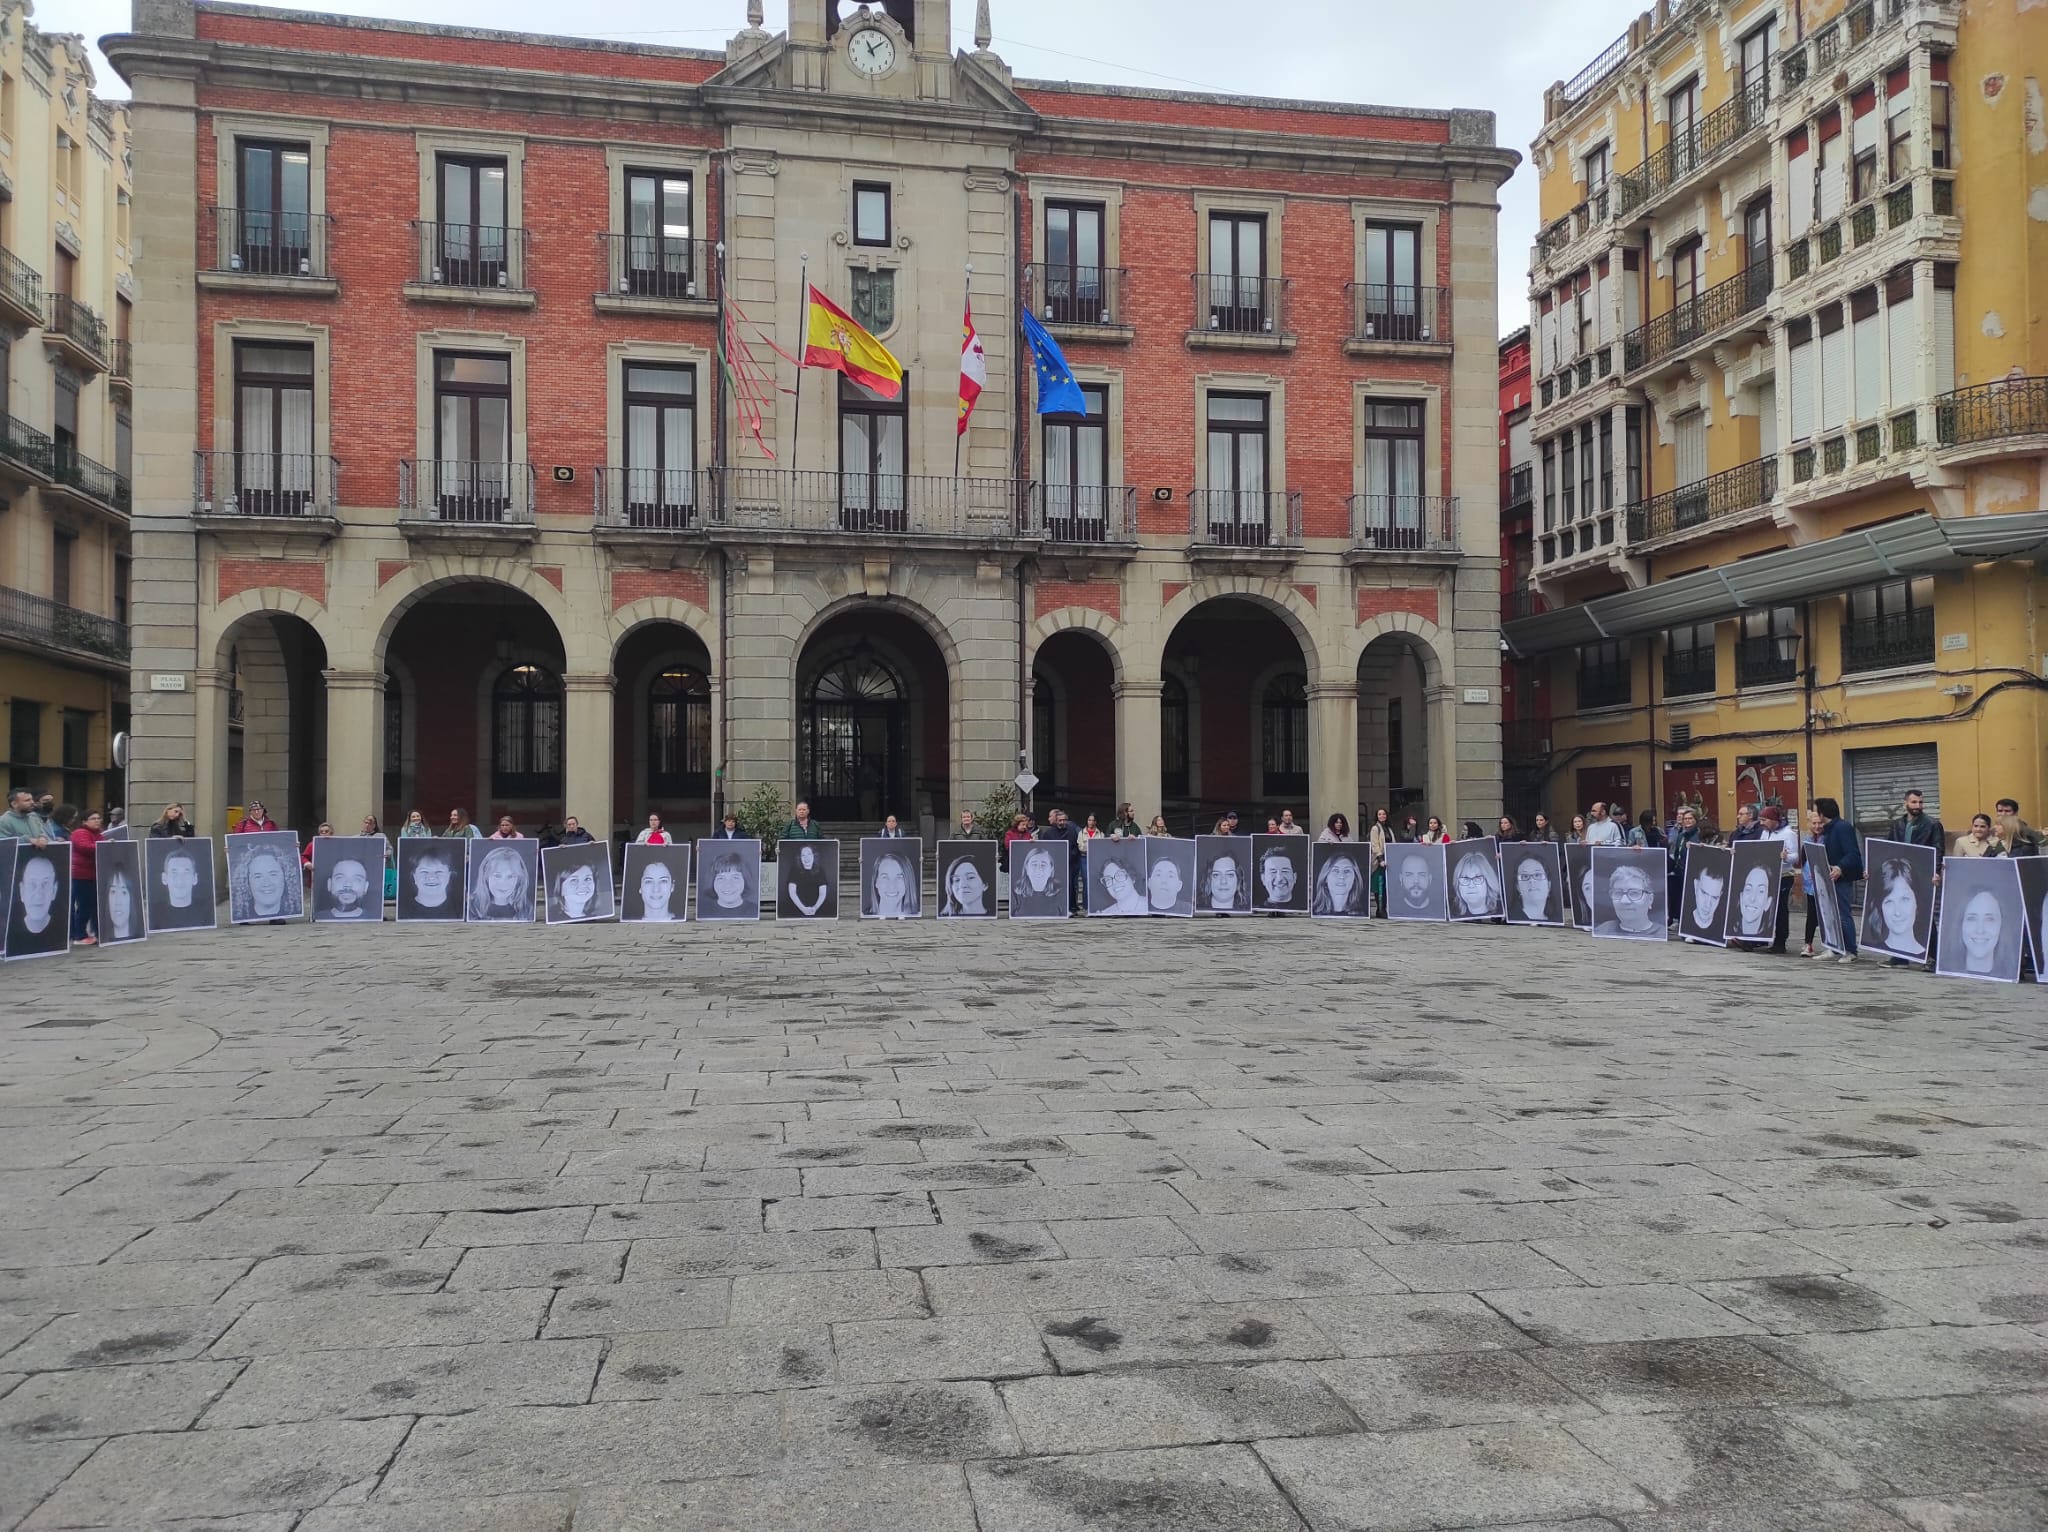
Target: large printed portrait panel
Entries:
(1223, 874)
(1631, 897)
(1342, 880)
(1116, 877)
(1815, 857)
(178, 878)
(1982, 927)
(1532, 879)
(504, 881)
(39, 916)
(579, 883)
(1416, 882)
(1578, 870)
(656, 887)
(1898, 901)
(263, 877)
(117, 888)
(1474, 879)
(1280, 874)
(2034, 895)
(1169, 875)
(728, 880)
(1703, 894)
(807, 880)
(1756, 885)
(1041, 880)
(891, 877)
(348, 879)
(433, 879)
(967, 879)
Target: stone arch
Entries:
(1107, 631)
(646, 636)
(902, 606)
(1405, 748)
(1431, 642)
(648, 610)
(264, 600)
(421, 579)
(1282, 600)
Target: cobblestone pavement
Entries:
(1248, 1226)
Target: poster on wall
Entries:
(807, 880)
(1815, 857)
(728, 880)
(1758, 884)
(579, 883)
(1578, 865)
(348, 879)
(1475, 882)
(1041, 886)
(1281, 866)
(967, 880)
(891, 877)
(1169, 875)
(1342, 883)
(39, 910)
(1761, 779)
(656, 887)
(1630, 893)
(504, 877)
(2034, 895)
(1415, 882)
(1694, 785)
(117, 888)
(1982, 928)
(1532, 878)
(433, 880)
(1116, 877)
(263, 877)
(1898, 901)
(1223, 874)
(1703, 894)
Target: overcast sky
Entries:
(1497, 54)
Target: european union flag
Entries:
(1058, 393)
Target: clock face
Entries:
(871, 52)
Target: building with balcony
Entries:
(1525, 684)
(66, 293)
(1792, 481)
(475, 477)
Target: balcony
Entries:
(655, 499)
(1587, 80)
(230, 487)
(25, 453)
(1523, 601)
(1557, 237)
(1832, 44)
(1717, 310)
(472, 263)
(1765, 661)
(121, 366)
(808, 503)
(1083, 516)
(1890, 642)
(1244, 519)
(2006, 418)
(1084, 302)
(50, 624)
(465, 495)
(1392, 318)
(1518, 488)
(76, 335)
(1404, 524)
(262, 250)
(1243, 313)
(1688, 673)
(88, 485)
(1605, 686)
(21, 293)
(1706, 142)
(1715, 498)
(654, 273)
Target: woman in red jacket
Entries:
(84, 881)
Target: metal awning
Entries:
(1913, 545)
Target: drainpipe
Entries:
(1020, 460)
(1806, 675)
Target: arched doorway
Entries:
(1073, 725)
(1393, 728)
(481, 706)
(873, 721)
(661, 727)
(1234, 716)
(275, 721)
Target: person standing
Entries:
(1845, 864)
(1772, 825)
(729, 828)
(1687, 834)
(1601, 830)
(1510, 831)
(22, 822)
(85, 905)
(892, 829)
(967, 830)
(1336, 831)
(1541, 830)
(1980, 841)
(573, 833)
(506, 829)
(1287, 824)
(171, 824)
(415, 827)
(801, 826)
(1746, 825)
(459, 827)
(1059, 827)
(1434, 834)
(1379, 837)
(256, 819)
(2021, 838)
(1917, 827)
(1020, 830)
(1125, 826)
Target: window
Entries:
(1682, 111)
(1586, 506)
(273, 226)
(64, 436)
(1604, 679)
(1757, 50)
(1889, 625)
(121, 576)
(1607, 461)
(871, 213)
(62, 546)
(273, 429)
(1237, 269)
(1238, 447)
(873, 454)
(679, 734)
(1756, 236)
(1767, 653)
(659, 259)
(1393, 264)
(473, 242)
(1633, 447)
(1689, 661)
(661, 445)
(1393, 475)
(1550, 486)
(472, 435)
(873, 305)
(64, 273)
(1898, 118)
(1077, 470)
(1938, 104)
(1074, 257)
(124, 444)
(1594, 168)
(1687, 261)
(1569, 479)
(1283, 729)
(25, 732)
(526, 734)
(1173, 738)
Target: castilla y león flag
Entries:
(973, 369)
(833, 340)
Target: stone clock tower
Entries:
(894, 49)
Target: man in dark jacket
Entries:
(730, 829)
(1747, 826)
(1059, 827)
(573, 833)
(1845, 864)
(1917, 827)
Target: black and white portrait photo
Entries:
(656, 889)
(1223, 874)
(967, 879)
(1280, 868)
(1342, 886)
(807, 880)
(1578, 870)
(1818, 868)
(1898, 901)
(1703, 894)
(1982, 928)
(1533, 878)
(728, 880)
(891, 875)
(2034, 895)
(117, 887)
(1474, 879)
(433, 882)
(503, 877)
(8, 849)
(1415, 882)
(579, 883)
(178, 884)
(1756, 886)
(348, 879)
(1040, 880)
(1116, 877)
(1630, 892)
(39, 919)
(1169, 875)
(263, 877)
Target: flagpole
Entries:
(966, 304)
(803, 312)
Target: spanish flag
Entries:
(833, 341)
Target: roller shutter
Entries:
(1878, 781)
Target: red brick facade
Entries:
(1104, 596)
(630, 585)
(306, 576)
(1377, 601)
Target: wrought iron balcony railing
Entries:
(659, 266)
(1607, 686)
(1895, 639)
(1832, 43)
(1697, 319)
(1405, 523)
(1720, 495)
(1523, 601)
(471, 255)
(262, 242)
(1518, 486)
(1384, 312)
(77, 323)
(41, 620)
(1696, 148)
(121, 360)
(656, 499)
(1245, 518)
(1583, 84)
(21, 285)
(1251, 306)
(26, 447)
(1105, 514)
(1766, 661)
(1080, 297)
(229, 483)
(1991, 412)
(871, 504)
(1689, 672)
(96, 481)
(466, 491)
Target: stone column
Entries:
(587, 739)
(206, 802)
(1441, 704)
(355, 747)
(1138, 768)
(1333, 752)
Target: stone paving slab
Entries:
(1156, 1230)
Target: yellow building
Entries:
(65, 290)
(1790, 328)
